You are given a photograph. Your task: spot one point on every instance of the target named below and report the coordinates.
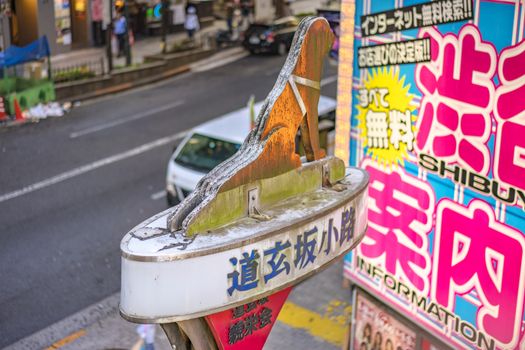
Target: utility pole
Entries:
(165, 24)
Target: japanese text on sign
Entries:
(420, 15)
(248, 320)
(403, 52)
(446, 243)
(385, 128)
(445, 143)
(260, 267)
(472, 245)
(400, 220)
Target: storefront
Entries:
(430, 103)
(151, 15)
(146, 15)
(379, 327)
(64, 22)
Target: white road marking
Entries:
(158, 195)
(202, 67)
(92, 166)
(113, 123)
(329, 80)
(115, 158)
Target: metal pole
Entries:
(49, 71)
(164, 23)
(109, 34)
(3, 46)
(176, 336)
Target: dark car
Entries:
(275, 37)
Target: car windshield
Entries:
(203, 153)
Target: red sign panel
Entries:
(247, 326)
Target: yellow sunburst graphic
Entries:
(385, 118)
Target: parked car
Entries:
(275, 37)
(226, 38)
(213, 142)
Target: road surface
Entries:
(71, 187)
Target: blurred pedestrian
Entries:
(120, 32)
(229, 15)
(191, 24)
(236, 23)
(246, 9)
(147, 337)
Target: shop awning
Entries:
(34, 51)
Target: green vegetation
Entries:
(77, 73)
(28, 92)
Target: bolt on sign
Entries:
(440, 129)
(215, 270)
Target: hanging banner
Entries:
(437, 119)
(97, 11)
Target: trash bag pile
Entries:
(42, 111)
(34, 114)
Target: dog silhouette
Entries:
(269, 149)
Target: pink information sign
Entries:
(437, 118)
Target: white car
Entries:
(213, 142)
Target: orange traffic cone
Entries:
(3, 114)
(18, 111)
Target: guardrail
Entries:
(80, 70)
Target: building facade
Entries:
(68, 24)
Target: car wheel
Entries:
(282, 49)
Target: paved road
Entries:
(70, 188)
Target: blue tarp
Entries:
(14, 55)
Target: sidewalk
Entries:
(315, 316)
(143, 47)
(152, 45)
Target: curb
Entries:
(215, 60)
(127, 86)
(228, 55)
(80, 320)
(14, 123)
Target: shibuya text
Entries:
(472, 180)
